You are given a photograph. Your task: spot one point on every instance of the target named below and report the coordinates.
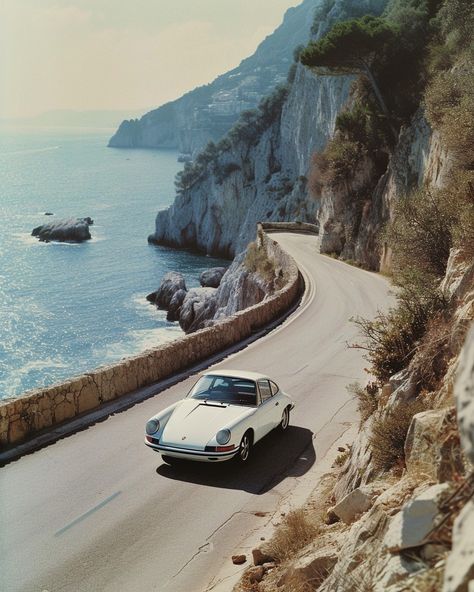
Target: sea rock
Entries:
(211, 278)
(171, 283)
(174, 308)
(66, 230)
(198, 307)
(410, 526)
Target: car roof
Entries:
(237, 374)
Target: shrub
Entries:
(294, 534)
(421, 231)
(257, 261)
(366, 400)
(449, 102)
(390, 339)
(389, 432)
(431, 358)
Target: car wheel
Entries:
(285, 420)
(244, 448)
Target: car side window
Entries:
(265, 390)
(274, 387)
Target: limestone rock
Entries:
(171, 283)
(211, 278)
(432, 446)
(353, 504)
(464, 394)
(66, 230)
(176, 302)
(314, 566)
(198, 307)
(416, 519)
(358, 470)
(460, 564)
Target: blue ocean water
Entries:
(69, 308)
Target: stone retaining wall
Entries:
(299, 227)
(37, 410)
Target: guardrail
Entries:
(37, 411)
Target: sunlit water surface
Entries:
(69, 308)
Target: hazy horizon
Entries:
(96, 55)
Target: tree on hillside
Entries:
(351, 47)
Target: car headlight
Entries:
(152, 426)
(223, 436)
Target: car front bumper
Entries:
(189, 454)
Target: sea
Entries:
(66, 308)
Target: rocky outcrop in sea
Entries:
(75, 230)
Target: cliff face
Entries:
(352, 216)
(208, 112)
(265, 178)
(269, 178)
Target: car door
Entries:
(270, 410)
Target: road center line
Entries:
(86, 514)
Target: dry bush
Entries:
(433, 353)
(366, 400)
(257, 261)
(389, 432)
(294, 534)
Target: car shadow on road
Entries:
(273, 458)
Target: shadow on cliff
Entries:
(273, 458)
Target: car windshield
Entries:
(225, 389)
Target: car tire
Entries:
(245, 447)
(285, 420)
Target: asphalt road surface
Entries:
(99, 511)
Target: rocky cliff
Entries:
(263, 176)
(208, 112)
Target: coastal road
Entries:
(99, 511)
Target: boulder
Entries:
(464, 395)
(259, 558)
(198, 307)
(430, 445)
(410, 526)
(255, 574)
(211, 278)
(353, 504)
(171, 283)
(74, 230)
(460, 564)
(314, 566)
(175, 305)
(239, 559)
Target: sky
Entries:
(122, 54)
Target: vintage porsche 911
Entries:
(223, 416)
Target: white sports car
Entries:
(223, 416)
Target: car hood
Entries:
(193, 422)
